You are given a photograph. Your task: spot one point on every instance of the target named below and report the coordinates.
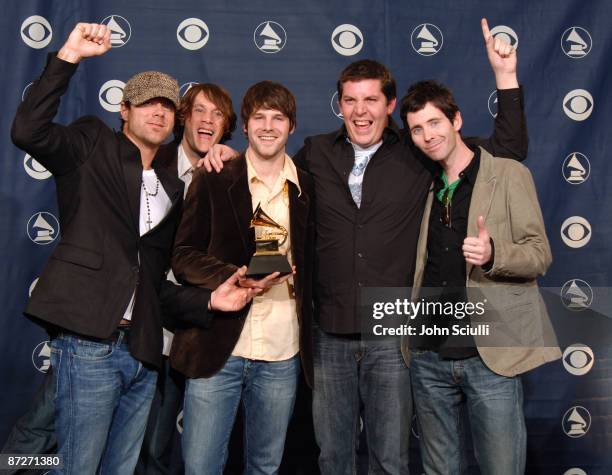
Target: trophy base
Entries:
(261, 266)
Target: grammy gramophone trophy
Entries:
(269, 236)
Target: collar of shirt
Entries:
(184, 165)
(469, 173)
(288, 173)
(371, 150)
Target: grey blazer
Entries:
(522, 337)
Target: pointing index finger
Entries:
(486, 33)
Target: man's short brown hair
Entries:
(215, 94)
(422, 92)
(268, 95)
(368, 69)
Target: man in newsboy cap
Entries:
(103, 291)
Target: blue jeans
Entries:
(267, 390)
(102, 401)
(33, 433)
(156, 453)
(349, 372)
(495, 410)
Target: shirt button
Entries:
(443, 282)
(360, 226)
(360, 255)
(446, 249)
(360, 284)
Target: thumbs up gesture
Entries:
(477, 250)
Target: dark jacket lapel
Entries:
(240, 198)
(298, 222)
(132, 174)
(173, 185)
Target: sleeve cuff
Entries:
(489, 265)
(59, 66)
(510, 98)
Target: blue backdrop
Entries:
(564, 50)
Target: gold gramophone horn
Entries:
(260, 218)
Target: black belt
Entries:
(114, 336)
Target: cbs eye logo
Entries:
(25, 91)
(335, 107)
(492, 104)
(576, 232)
(578, 359)
(192, 34)
(507, 34)
(347, 40)
(35, 169)
(578, 104)
(414, 427)
(36, 32)
(111, 95)
(179, 422)
(32, 287)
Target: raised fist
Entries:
(86, 40)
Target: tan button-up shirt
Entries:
(271, 331)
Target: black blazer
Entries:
(101, 258)
(214, 239)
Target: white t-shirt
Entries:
(150, 216)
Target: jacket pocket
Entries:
(78, 255)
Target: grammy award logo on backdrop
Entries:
(43, 228)
(576, 42)
(576, 422)
(185, 87)
(121, 30)
(270, 37)
(576, 168)
(575, 471)
(41, 356)
(427, 39)
(576, 295)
